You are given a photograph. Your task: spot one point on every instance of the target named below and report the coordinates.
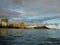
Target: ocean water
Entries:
(30, 37)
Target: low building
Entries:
(21, 25)
(30, 27)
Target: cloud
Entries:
(32, 10)
(31, 3)
(8, 14)
(44, 6)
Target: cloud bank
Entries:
(29, 10)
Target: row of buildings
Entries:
(4, 23)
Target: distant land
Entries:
(4, 24)
(28, 27)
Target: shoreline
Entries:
(31, 29)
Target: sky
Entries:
(30, 11)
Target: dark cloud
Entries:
(17, 2)
(8, 14)
(8, 9)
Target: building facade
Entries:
(4, 22)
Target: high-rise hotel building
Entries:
(4, 22)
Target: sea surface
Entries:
(29, 37)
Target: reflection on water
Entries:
(31, 37)
(3, 32)
(15, 32)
